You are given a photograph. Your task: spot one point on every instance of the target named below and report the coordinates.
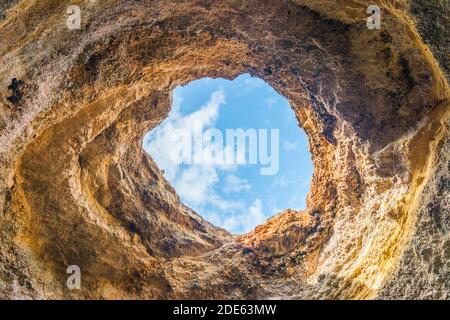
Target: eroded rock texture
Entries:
(76, 187)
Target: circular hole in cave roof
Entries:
(231, 195)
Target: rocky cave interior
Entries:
(76, 188)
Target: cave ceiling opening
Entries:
(233, 151)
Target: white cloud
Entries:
(241, 222)
(194, 183)
(235, 184)
(256, 214)
(290, 146)
(197, 184)
(282, 181)
(254, 82)
(159, 142)
(271, 101)
(213, 217)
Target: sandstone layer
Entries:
(76, 187)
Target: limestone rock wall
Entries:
(76, 187)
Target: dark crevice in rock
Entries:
(433, 21)
(16, 95)
(5, 5)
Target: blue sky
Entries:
(235, 197)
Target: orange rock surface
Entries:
(76, 188)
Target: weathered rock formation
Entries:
(76, 188)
